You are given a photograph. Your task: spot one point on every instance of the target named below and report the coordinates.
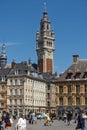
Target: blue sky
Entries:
(20, 20)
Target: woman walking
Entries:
(7, 122)
(21, 124)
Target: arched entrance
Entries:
(77, 109)
(61, 111)
(69, 109)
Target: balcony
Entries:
(1, 99)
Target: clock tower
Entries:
(45, 45)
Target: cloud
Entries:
(10, 43)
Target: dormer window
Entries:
(3, 78)
(28, 72)
(77, 75)
(69, 74)
(85, 75)
(16, 72)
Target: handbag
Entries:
(8, 124)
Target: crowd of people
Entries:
(6, 119)
(79, 119)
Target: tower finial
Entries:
(45, 6)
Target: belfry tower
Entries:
(3, 56)
(45, 45)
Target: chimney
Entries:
(13, 64)
(75, 58)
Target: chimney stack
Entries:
(75, 58)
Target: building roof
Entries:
(3, 73)
(77, 70)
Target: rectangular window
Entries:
(10, 101)
(48, 104)
(48, 87)
(85, 88)
(78, 101)
(15, 81)
(15, 101)
(2, 96)
(10, 82)
(48, 95)
(21, 81)
(15, 91)
(69, 101)
(77, 88)
(69, 89)
(2, 105)
(21, 102)
(10, 91)
(60, 89)
(85, 100)
(3, 87)
(21, 92)
(61, 101)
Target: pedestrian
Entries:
(0, 120)
(21, 124)
(47, 123)
(7, 121)
(69, 117)
(64, 117)
(81, 121)
(75, 118)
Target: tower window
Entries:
(49, 44)
(47, 26)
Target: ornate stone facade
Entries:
(71, 87)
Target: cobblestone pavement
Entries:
(56, 125)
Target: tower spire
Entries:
(45, 10)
